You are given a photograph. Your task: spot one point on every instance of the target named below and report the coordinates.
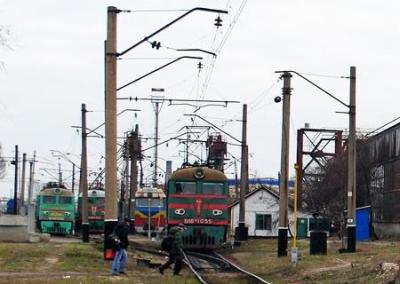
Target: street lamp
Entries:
(351, 151)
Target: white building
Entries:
(262, 214)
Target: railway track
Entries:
(205, 267)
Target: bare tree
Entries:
(326, 192)
(3, 164)
(5, 40)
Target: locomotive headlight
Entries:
(217, 212)
(180, 211)
(67, 213)
(103, 213)
(46, 212)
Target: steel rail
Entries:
(242, 270)
(193, 270)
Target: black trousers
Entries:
(173, 258)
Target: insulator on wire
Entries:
(156, 45)
(200, 66)
(218, 22)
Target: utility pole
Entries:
(60, 179)
(157, 108)
(22, 193)
(351, 187)
(16, 181)
(168, 172)
(84, 182)
(241, 232)
(236, 180)
(283, 181)
(111, 214)
(127, 176)
(73, 178)
(156, 146)
(134, 151)
(31, 207)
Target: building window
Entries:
(264, 222)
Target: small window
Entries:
(65, 200)
(185, 187)
(141, 202)
(156, 202)
(263, 222)
(49, 199)
(213, 188)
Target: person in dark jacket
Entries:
(175, 254)
(121, 255)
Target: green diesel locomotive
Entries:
(55, 209)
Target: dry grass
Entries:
(66, 263)
(260, 256)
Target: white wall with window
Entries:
(262, 213)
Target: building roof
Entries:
(254, 192)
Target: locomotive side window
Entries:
(185, 187)
(213, 188)
(65, 200)
(49, 199)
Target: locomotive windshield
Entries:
(49, 199)
(213, 188)
(185, 187)
(155, 202)
(65, 200)
(96, 200)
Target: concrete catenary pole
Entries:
(73, 178)
(283, 181)
(84, 182)
(157, 112)
(22, 193)
(15, 162)
(31, 206)
(127, 177)
(135, 152)
(242, 233)
(351, 187)
(111, 214)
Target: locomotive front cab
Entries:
(56, 211)
(198, 198)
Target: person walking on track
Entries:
(175, 254)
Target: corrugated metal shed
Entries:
(384, 156)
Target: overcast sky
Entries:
(57, 63)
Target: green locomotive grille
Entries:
(193, 240)
(56, 227)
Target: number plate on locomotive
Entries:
(198, 221)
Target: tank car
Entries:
(198, 198)
(55, 209)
